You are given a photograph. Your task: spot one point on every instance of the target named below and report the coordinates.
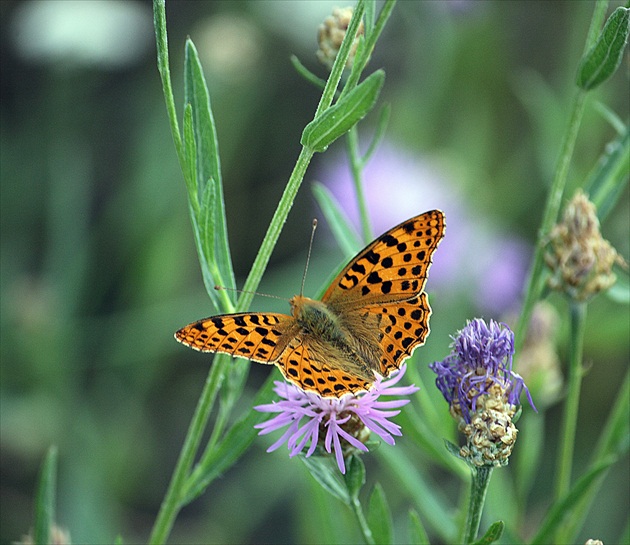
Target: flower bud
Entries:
(332, 32)
(579, 258)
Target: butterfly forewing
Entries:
(255, 336)
(403, 327)
(392, 268)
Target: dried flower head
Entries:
(332, 32)
(343, 424)
(482, 390)
(580, 259)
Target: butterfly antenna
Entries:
(308, 256)
(219, 288)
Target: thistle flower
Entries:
(580, 259)
(332, 32)
(482, 390)
(343, 424)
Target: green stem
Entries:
(370, 42)
(356, 167)
(478, 488)
(569, 422)
(273, 232)
(171, 503)
(340, 62)
(357, 509)
(534, 284)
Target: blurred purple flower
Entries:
(342, 422)
(481, 358)
(490, 267)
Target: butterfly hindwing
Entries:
(306, 363)
(256, 336)
(392, 268)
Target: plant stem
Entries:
(569, 421)
(558, 184)
(273, 231)
(171, 503)
(478, 488)
(357, 509)
(356, 167)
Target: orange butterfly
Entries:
(371, 318)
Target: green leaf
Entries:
(342, 229)
(417, 533)
(306, 73)
(609, 178)
(603, 59)
(325, 471)
(453, 449)
(339, 118)
(190, 156)
(379, 516)
(45, 498)
(562, 509)
(379, 134)
(233, 445)
(208, 165)
(355, 475)
(493, 533)
(428, 497)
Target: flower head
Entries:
(332, 32)
(482, 390)
(580, 259)
(343, 424)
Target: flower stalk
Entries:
(564, 463)
(478, 489)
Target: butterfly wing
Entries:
(318, 367)
(256, 336)
(379, 295)
(402, 328)
(392, 268)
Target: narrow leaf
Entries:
(564, 507)
(339, 118)
(381, 127)
(233, 445)
(325, 471)
(428, 497)
(355, 475)
(208, 163)
(609, 178)
(603, 59)
(45, 498)
(342, 229)
(306, 73)
(379, 516)
(417, 533)
(493, 533)
(190, 157)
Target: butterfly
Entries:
(371, 318)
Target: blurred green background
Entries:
(99, 266)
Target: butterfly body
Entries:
(371, 318)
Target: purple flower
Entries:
(342, 424)
(480, 360)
